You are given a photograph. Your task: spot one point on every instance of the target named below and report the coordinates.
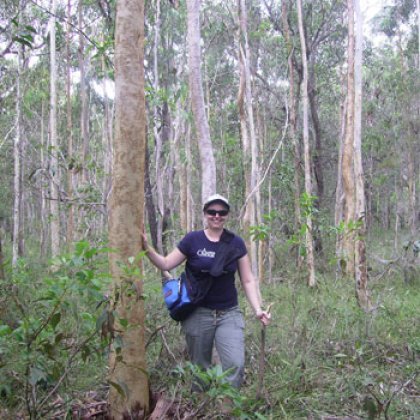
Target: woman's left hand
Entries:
(263, 316)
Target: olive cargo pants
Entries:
(226, 329)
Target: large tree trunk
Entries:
(54, 169)
(208, 165)
(128, 368)
(308, 180)
(360, 205)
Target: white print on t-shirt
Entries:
(204, 253)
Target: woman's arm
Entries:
(252, 290)
(164, 263)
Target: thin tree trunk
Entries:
(293, 105)
(17, 155)
(159, 173)
(54, 169)
(208, 164)
(251, 152)
(128, 370)
(106, 142)
(361, 277)
(44, 202)
(70, 163)
(308, 181)
(84, 110)
(150, 205)
(339, 192)
(411, 182)
(348, 154)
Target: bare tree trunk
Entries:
(106, 142)
(339, 192)
(411, 182)
(128, 370)
(251, 152)
(17, 152)
(70, 163)
(159, 173)
(44, 202)
(361, 277)
(150, 205)
(293, 105)
(84, 110)
(208, 164)
(397, 215)
(308, 181)
(348, 154)
(191, 222)
(181, 167)
(54, 169)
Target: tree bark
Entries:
(293, 105)
(248, 132)
(308, 180)
(208, 164)
(70, 163)
(84, 110)
(17, 163)
(348, 155)
(128, 370)
(361, 277)
(159, 172)
(339, 192)
(54, 168)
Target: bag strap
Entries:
(222, 253)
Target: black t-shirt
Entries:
(200, 253)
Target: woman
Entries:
(218, 318)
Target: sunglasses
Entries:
(222, 213)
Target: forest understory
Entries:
(325, 358)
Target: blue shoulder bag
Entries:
(177, 299)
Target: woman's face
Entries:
(216, 215)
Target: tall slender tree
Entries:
(208, 164)
(17, 157)
(70, 163)
(54, 168)
(128, 367)
(360, 206)
(308, 181)
(248, 133)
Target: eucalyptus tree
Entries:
(129, 393)
(17, 153)
(53, 140)
(248, 132)
(308, 176)
(208, 164)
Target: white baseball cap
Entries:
(216, 198)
